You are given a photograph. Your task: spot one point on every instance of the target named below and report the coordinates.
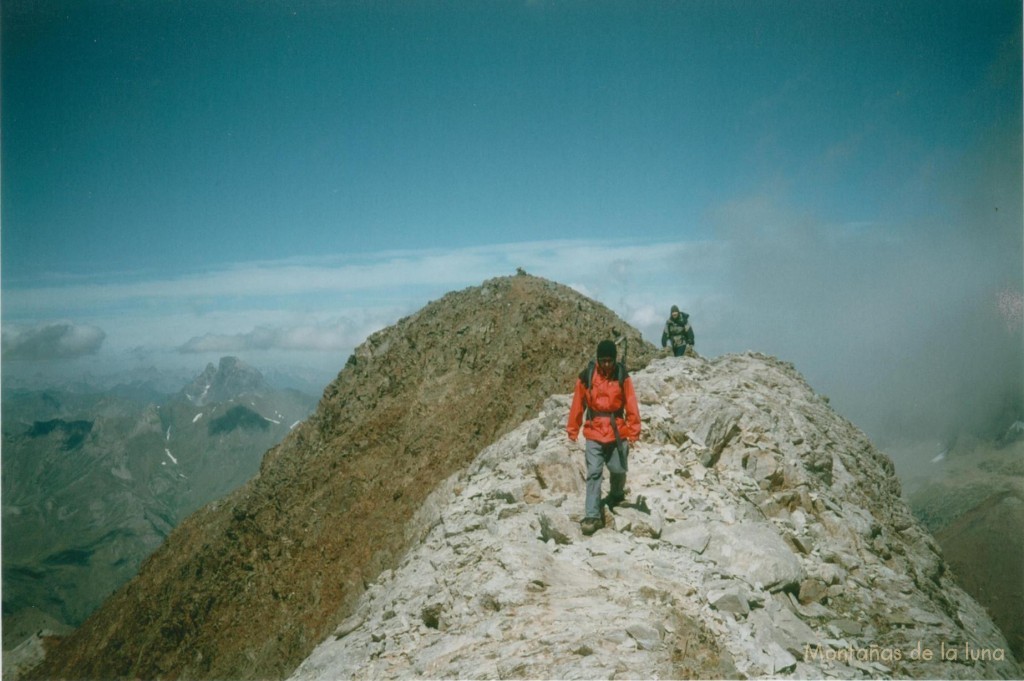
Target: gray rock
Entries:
(559, 471)
(791, 632)
(688, 536)
(556, 525)
(732, 600)
(638, 523)
(497, 580)
(646, 636)
(535, 434)
(812, 591)
(781, 660)
(756, 553)
(847, 626)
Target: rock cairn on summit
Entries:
(772, 542)
(247, 586)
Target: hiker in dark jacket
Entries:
(678, 332)
(604, 393)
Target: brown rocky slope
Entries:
(247, 586)
(972, 500)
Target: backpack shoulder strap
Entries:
(587, 375)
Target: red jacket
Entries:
(604, 395)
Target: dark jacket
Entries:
(677, 331)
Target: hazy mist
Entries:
(901, 328)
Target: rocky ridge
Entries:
(771, 540)
(247, 586)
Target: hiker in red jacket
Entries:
(604, 393)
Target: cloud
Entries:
(435, 270)
(899, 324)
(289, 309)
(62, 340)
(647, 316)
(334, 337)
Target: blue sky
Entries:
(836, 183)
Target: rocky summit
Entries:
(763, 536)
(247, 586)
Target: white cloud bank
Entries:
(898, 326)
(55, 341)
(364, 276)
(337, 337)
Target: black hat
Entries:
(675, 308)
(606, 348)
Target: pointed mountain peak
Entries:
(229, 379)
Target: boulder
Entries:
(755, 553)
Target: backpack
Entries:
(587, 378)
(587, 375)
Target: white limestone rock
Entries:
(754, 487)
(755, 553)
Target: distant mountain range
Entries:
(94, 480)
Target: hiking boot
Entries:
(614, 500)
(591, 525)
